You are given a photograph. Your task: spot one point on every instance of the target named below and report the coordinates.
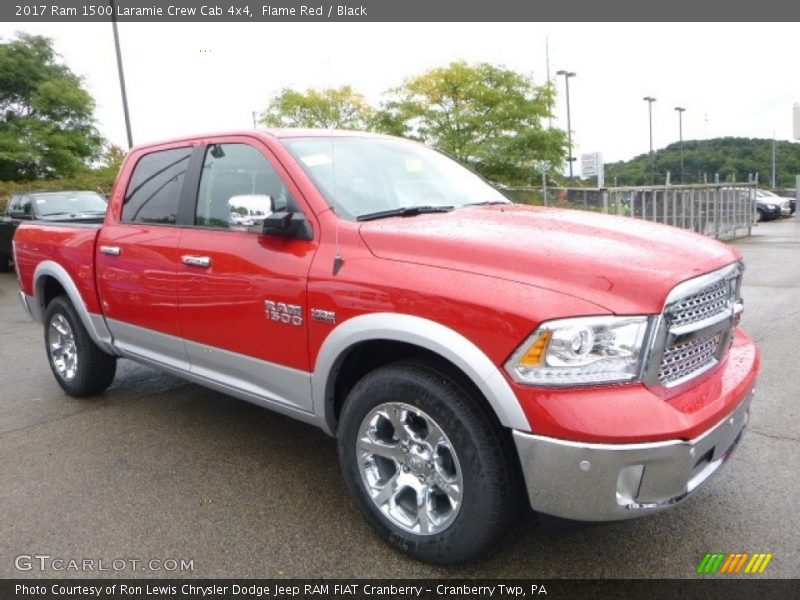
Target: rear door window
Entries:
(154, 190)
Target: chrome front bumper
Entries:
(606, 482)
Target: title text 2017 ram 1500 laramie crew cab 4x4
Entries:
(466, 352)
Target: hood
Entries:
(624, 265)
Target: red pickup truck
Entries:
(468, 353)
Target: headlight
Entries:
(581, 351)
(771, 206)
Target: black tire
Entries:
(93, 370)
(5, 262)
(759, 215)
(491, 494)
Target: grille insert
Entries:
(683, 360)
(707, 303)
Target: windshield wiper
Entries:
(407, 211)
(488, 203)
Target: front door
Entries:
(242, 294)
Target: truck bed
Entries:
(70, 246)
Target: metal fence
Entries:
(723, 211)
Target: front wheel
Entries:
(428, 468)
(5, 262)
(80, 367)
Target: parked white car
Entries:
(773, 198)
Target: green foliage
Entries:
(46, 116)
(332, 108)
(730, 157)
(113, 156)
(485, 116)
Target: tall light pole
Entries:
(121, 74)
(773, 160)
(650, 100)
(680, 110)
(570, 158)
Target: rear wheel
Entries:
(80, 367)
(429, 470)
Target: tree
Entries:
(46, 115)
(729, 157)
(485, 116)
(330, 108)
(113, 156)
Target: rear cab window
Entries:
(154, 190)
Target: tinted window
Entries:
(238, 188)
(154, 190)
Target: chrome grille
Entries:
(706, 303)
(699, 318)
(682, 360)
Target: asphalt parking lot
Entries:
(156, 468)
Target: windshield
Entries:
(766, 194)
(364, 176)
(69, 203)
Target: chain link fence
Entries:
(722, 211)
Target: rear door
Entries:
(137, 259)
(242, 294)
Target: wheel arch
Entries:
(51, 279)
(400, 336)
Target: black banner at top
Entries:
(211, 11)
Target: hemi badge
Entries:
(323, 316)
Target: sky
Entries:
(734, 79)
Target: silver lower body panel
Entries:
(607, 482)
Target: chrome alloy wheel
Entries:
(409, 468)
(61, 342)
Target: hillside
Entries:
(729, 156)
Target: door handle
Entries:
(111, 250)
(196, 261)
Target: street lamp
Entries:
(650, 100)
(680, 110)
(570, 158)
(121, 74)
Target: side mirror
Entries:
(247, 211)
(288, 224)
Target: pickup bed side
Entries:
(57, 259)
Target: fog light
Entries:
(628, 484)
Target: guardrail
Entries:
(723, 211)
